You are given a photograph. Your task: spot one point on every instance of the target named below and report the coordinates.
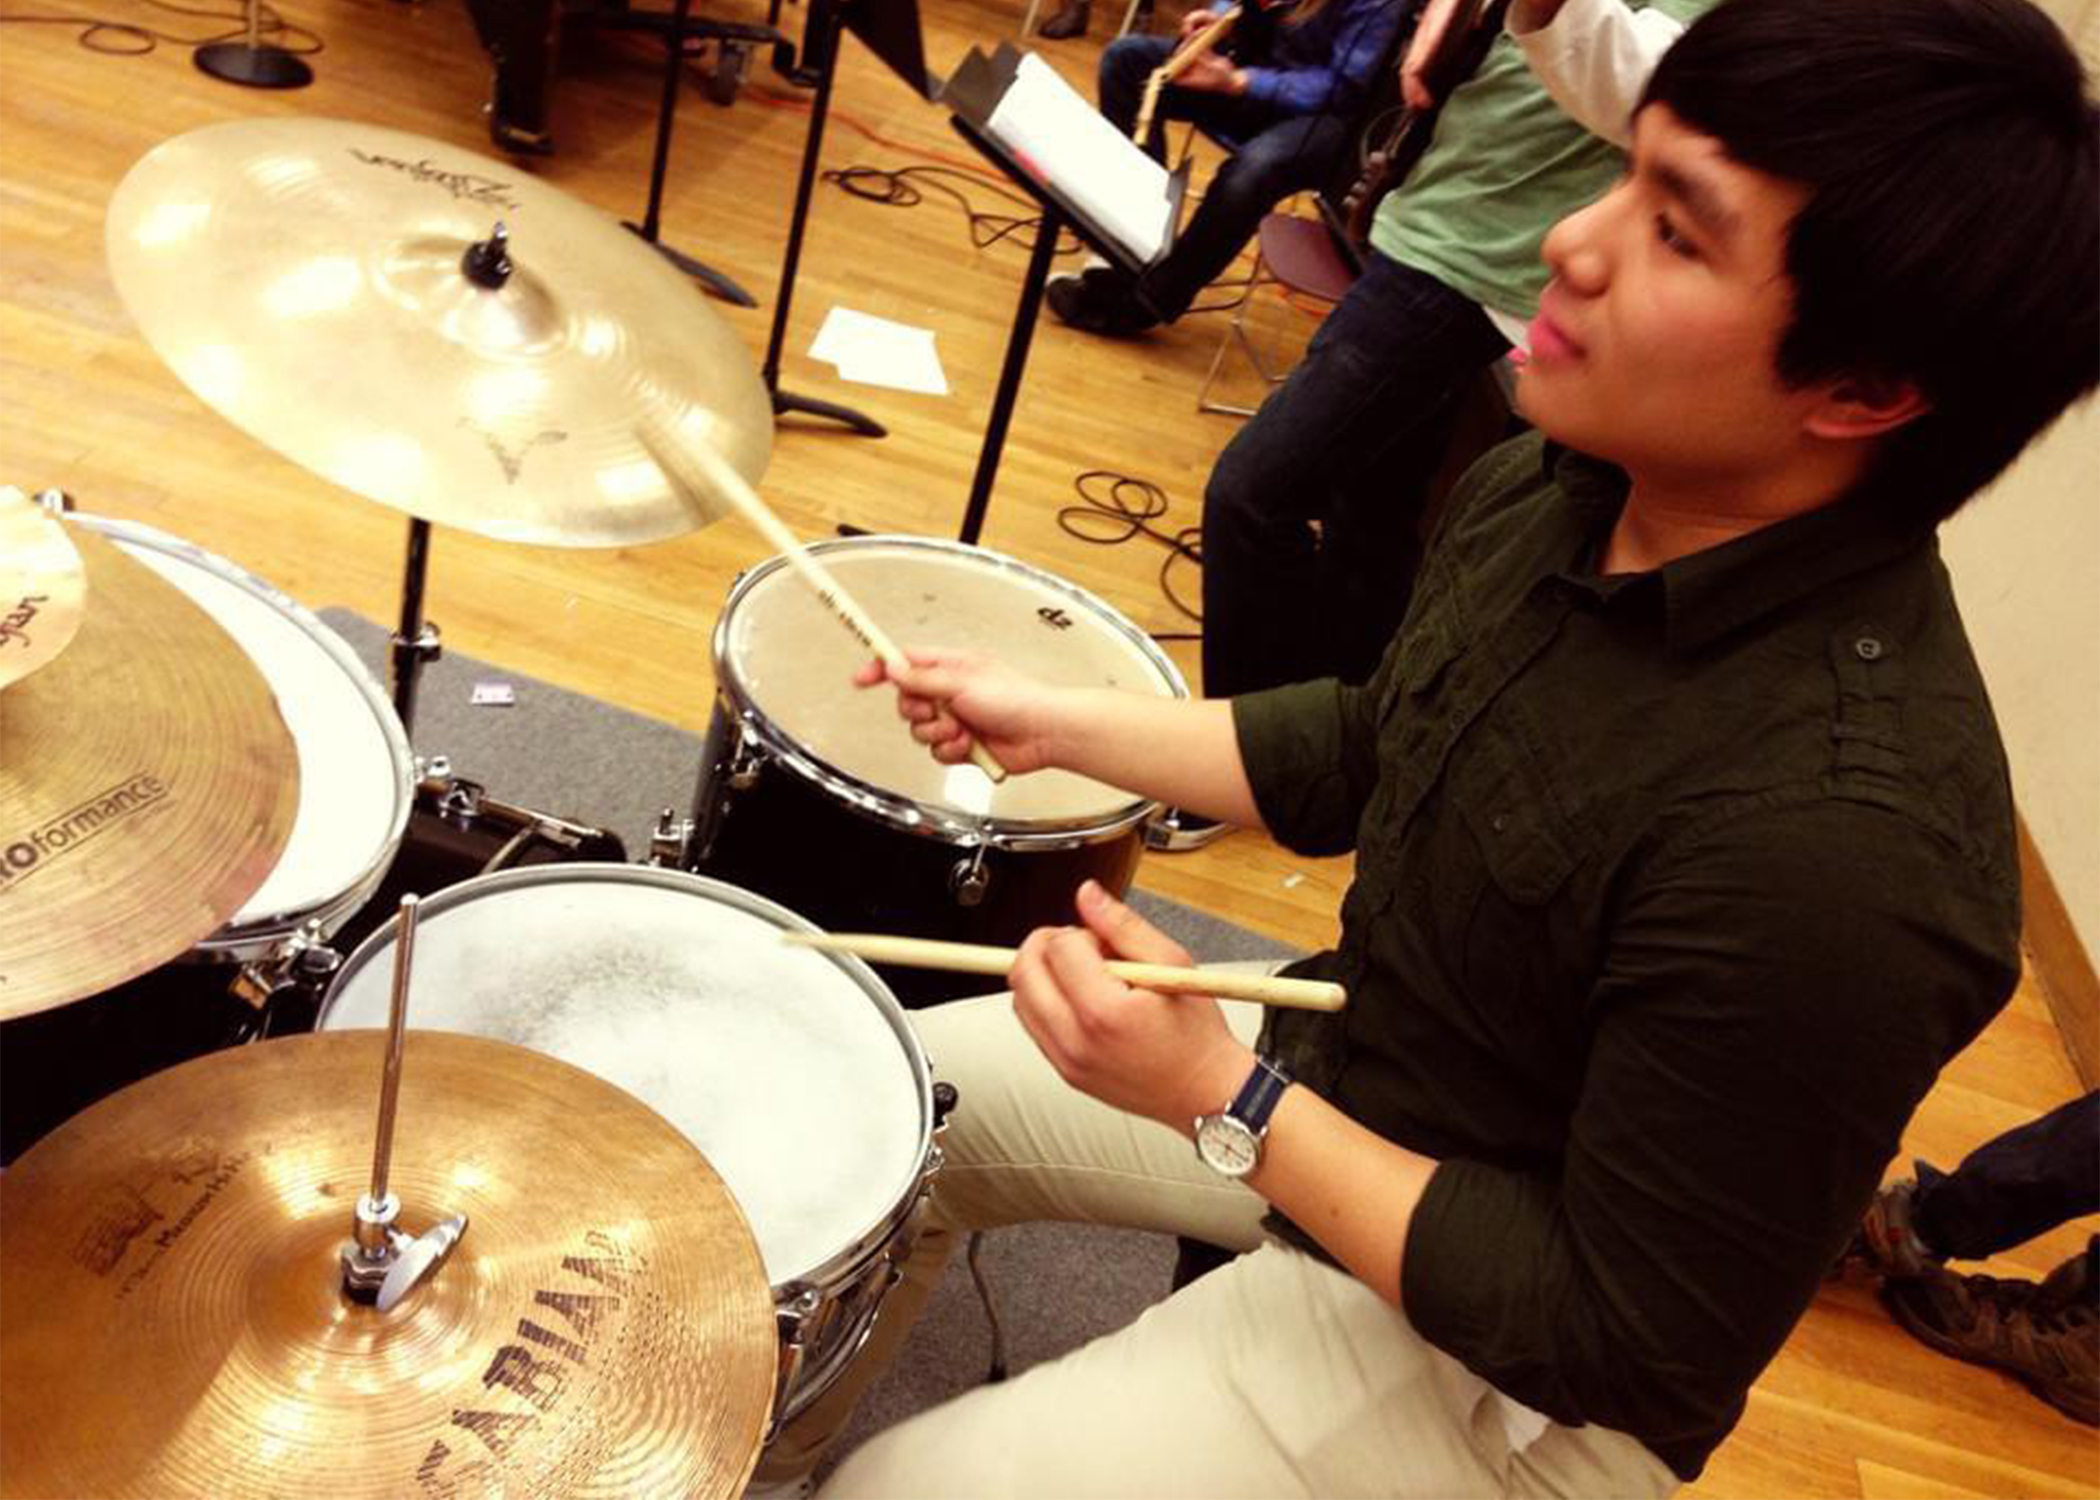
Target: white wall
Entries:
(2026, 564)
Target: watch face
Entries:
(1227, 1145)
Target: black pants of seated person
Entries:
(1276, 155)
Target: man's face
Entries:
(1655, 344)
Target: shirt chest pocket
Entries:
(1523, 847)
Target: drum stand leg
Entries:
(997, 1372)
(416, 642)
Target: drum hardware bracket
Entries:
(746, 761)
(670, 840)
(303, 963)
(794, 1314)
(969, 880)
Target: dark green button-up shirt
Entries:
(1674, 892)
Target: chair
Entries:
(1321, 257)
(1028, 21)
(1302, 255)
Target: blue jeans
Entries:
(1273, 156)
(1351, 440)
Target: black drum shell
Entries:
(789, 839)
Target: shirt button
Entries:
(1868, 647)
(1499, 822)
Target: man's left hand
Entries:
(1214, 75)
(1166, 1057)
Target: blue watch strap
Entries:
(1259, 1095)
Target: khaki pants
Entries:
(1276, 1375)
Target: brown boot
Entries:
(1070, 21)
(2048, 1336)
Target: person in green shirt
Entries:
(1683, 834)
(1311, 513)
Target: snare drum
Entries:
(813, 791)
(356, 785)
(795, 1072)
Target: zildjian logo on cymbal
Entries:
(469, 186)
(14, 625)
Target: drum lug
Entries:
(969, 880)
(945, 1097)
(745, 761)
(795, 1316)
(671, 840)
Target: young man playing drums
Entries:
(1683, 834)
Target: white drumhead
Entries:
(792, 661)
(773, 1060)
(354, 776)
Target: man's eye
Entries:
(1674, 242)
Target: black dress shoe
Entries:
(1101, 300)
(1070, 21)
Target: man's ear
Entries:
(1858, 407)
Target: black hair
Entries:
(1951, 236)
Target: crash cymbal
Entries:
(305, 278)
(175, 1323)
(41, 587)
(147, 787)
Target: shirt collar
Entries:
(1712, 592)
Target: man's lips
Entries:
(1550, 341)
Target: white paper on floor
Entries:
(877, 351)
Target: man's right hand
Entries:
(954, 698)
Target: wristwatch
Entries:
(1229, 1142)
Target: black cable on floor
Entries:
(1116, 508)
(129, 39)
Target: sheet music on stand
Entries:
(1118, 197)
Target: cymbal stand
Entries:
(416, 641)
(820, 41)
(253, 62)
(680, 27)
(381, 1264)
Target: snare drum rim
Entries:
(845, 1266)
(901, 812)
(263, 936)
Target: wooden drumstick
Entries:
(1172, 979)
(680, 460)
(1176, 65)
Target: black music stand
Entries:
(675, 29)
(890, 29)
(973, 93)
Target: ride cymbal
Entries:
(41, 586)
(147, 787)
(175, 1323)
(308, 279)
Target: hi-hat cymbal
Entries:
(41, 586)
(305, 278)
(176, 1325)
(147, 787)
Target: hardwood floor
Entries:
(1852, 1407)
